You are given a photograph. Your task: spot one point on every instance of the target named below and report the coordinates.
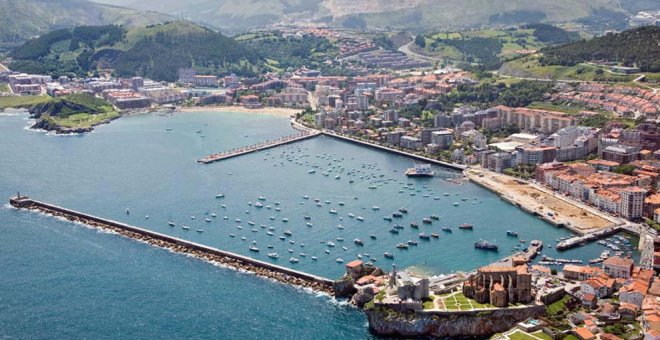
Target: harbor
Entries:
(258, 147)
(178, 245)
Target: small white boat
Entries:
(314, 258)
(273, 256)
(171, 224)
(339, 260)
(219, 195)
(254, 249)
(293, 260)
(185, 227)
(200, 230)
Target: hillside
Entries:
(155, 51)
(637, 47)
(407, 14)
(21, 20)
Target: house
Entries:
(618, 267)
(583, 333)
(628, 311)
(596, 285)
(580, 273)
(633, 293)
(589, 301)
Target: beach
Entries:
(276, 111)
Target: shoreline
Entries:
(541, 204)
(273, 111)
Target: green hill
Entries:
(637, 47)
(21, 20)
(155, 51)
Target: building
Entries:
(499, 285)
(137, 83)
(618, 267)
(410, 142)
(499, 161)
(187, 75)
(619, 153)
(580, 273)
(632, 202)
(205, 81)
(444, 139)
(534, 120)
(536, 154)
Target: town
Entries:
(581, 155)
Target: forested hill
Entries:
(636, 47)
(155, 51)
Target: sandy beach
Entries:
(276, 111)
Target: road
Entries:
(3, 68)
(410, 53)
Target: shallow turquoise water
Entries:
(69, 280)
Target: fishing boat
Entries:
(414, 224)
(424, 236)
(294, 260)
(287, 233)
(171, 224)
(403, 210)
(466, 226)
(330, 244)
(412, 243)
(387, 218)
(394, 231)
(358, 242)
(339, 260)
(446, 229)
(427, 221)
(388, 255)
(511, 233)
(435, 235)
(339, 226)
(254, 249)
(435, 217)
(485, 245)
(402, 246)
(372, 236)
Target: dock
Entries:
(210, 254)
(584, 239)
(216, 157)
(533, 250)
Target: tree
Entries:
(420, 41)
(625, 169)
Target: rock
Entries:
(482, 324)
(377, 272)
(344, 287)
(362, 296)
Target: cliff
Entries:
(387, 322)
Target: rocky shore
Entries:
(47, 125)
(483, 324)
(183, 249)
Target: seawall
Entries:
(399, 152)
(479, 324)
(236, 261)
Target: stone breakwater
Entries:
(212, 255)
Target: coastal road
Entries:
(4, 68)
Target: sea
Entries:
(310, 201)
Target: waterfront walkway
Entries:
(258, 147)
(210, 254)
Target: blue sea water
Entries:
(65, 280)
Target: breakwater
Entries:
(584, 239)
(400, 152)
(210, 254)
(257, 147)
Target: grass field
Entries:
(4, 87)
(530, 67)
(83, 120)
(556, 107)
(518, 334)
(22, 101)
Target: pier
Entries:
(210, 254)
(258, 147)
(584, 239)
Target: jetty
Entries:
(210, 254)
(586, 238)
(258, 147)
